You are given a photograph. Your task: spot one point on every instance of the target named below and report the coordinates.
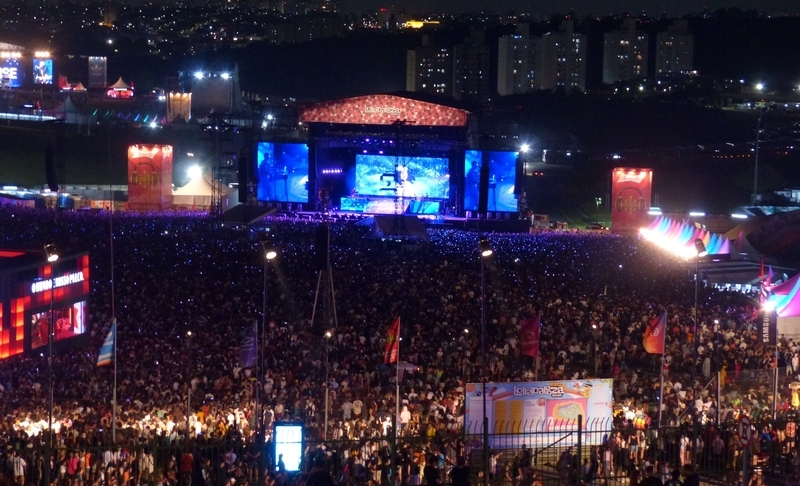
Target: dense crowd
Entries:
(185, 291)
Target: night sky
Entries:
(581, 7)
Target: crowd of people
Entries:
(186, 290)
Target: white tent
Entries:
(120, 85)
(196, 194)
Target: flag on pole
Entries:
(529, 336)
(392, 343)
(248, 349)
(655, 335)
(107, 349)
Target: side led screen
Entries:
(472, 179)
(502, 179)
(282, 172)
(42, 71)
(70, 321)
(289, 445)
(11, 73)
(386, 175)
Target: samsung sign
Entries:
(63, 281)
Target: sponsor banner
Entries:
(149, 177)
(630, 198)
(768, 328)
(544, 409)
(98, 68)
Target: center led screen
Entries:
(385, 175)
(282, 172)
(502, 179)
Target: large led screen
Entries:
(472, 179)
(42, 71)
(502, 179)
(11, 73)
(289, 445)
(70, 321)
(385, 175)
(282, 172)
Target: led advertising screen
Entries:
(98, 67)
(11, 73)
(502, 178)
(386, 175)
(70, 321)
(630, 197)
(149, 177)
(282, 172)
(42, 71)
(289, 445)
(544, 409)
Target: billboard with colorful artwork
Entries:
(149, 177)
(545, 409)
(630, 199)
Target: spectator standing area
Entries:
(176, 273)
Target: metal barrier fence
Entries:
(569, 454)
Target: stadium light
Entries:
(225, 76)
(760, 86)
(697, 214)
(700, 247)
(485, 247)
(52, 254)
(195, 172)
(198, 75)
(525, 147)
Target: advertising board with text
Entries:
(546, 410)
(630, 199)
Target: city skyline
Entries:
(581, 7)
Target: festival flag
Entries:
(248, 349)
(529, 336)
(655, 335)
(107, 349)
(392, 343)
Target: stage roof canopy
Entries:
(383, 109)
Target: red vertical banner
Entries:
(149, 177)
(529, 336)
(630, 199)
(392, 349)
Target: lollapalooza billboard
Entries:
(149, 177)
(630, 198)
(544, 409)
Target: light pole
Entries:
(700, 247)
(327, 349)
(52, 257)
(270, 253)
(758, 143)
(485, 252)
(189, 381)
(597, 202)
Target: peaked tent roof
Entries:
(120, 84)
(79, 87)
